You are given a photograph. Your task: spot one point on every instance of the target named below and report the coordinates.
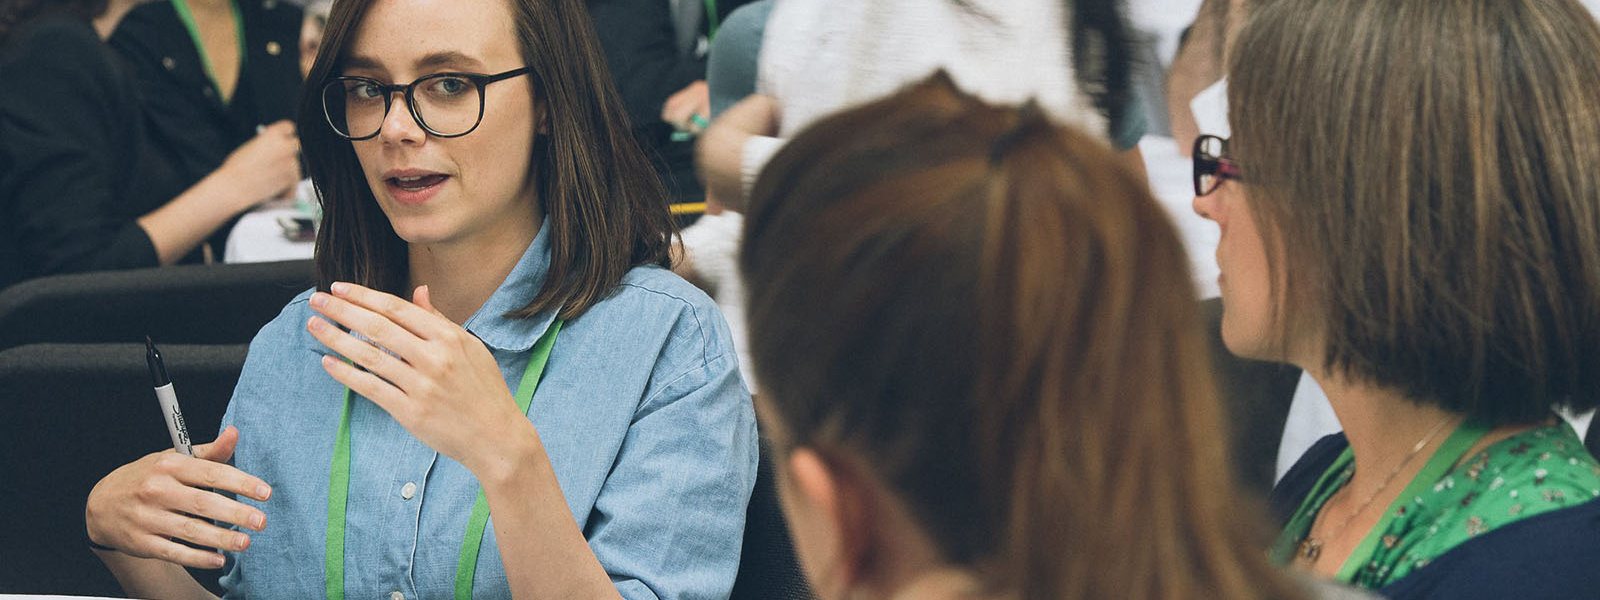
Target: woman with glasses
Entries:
(85, 183)
(1410, 212)
(497, 390)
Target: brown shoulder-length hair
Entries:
(1435, 164)
(606, 208)
(1000, 322)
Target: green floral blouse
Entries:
(1528, 474)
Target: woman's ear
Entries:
(829, 513)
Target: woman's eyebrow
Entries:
(448, 58)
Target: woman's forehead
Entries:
(398, 36)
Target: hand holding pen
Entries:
(143, 506)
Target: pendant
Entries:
(1310, 549)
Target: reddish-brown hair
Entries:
(1000, 321)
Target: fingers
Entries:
(370, 386)
(220, 449)
(423, 297)
(411, 317)
(369, 356)
(194, 472)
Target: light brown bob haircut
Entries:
(607, 210)
(1436, 164)
(998, 320)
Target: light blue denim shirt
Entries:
(641, 410)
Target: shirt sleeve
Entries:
(669, 521)
(58, 137)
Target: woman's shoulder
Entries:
(1551, 555)
(288, 327)
(653, 303)
(52, 42)
(654, 285)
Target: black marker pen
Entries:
(168, 399)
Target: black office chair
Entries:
(1255, 396)
(768, 569)
(72, 414)
(190, 304)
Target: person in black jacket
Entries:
(83, 186)
(654, 64)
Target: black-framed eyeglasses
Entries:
(444, 104)
(1211, 164)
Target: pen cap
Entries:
(158, 369)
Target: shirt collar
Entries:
(510, 334)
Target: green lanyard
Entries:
(711, 18)
(339, 485)
(182, 7)
(1440, 463)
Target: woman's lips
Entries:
(414, 189)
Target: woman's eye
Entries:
(449, 86)
(365, 91)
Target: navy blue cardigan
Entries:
(1555, 555)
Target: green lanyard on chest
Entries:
(1439, 464)
(339, 485)
(187, 16)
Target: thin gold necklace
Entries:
(1311, 547)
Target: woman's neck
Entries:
(948, 583)
(106, 23)
(462, 275)
(1386, 430)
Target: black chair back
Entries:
(768, 569)
(73, 413)
(190, 304)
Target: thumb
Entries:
(424, 298)
(221, 449)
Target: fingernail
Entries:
(319, 300)
(313, 324)
(262, 492)
(339, 287)
(216, 561)
(328, 361)
(258, 522)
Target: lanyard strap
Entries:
(1443, 459)
(711, 19)
(339, 485)
(185, 15)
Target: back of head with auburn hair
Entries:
(1000, 322)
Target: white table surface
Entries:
(257, 237)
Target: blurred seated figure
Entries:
(85, 184)
(211, 72)
(656, 52)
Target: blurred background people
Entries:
(211, 74)
(85, 181)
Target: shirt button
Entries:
(396, 595)
(273, 48)
(166, 61)
(406, 492)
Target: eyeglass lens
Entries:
(1207, 168)
(445, 104)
